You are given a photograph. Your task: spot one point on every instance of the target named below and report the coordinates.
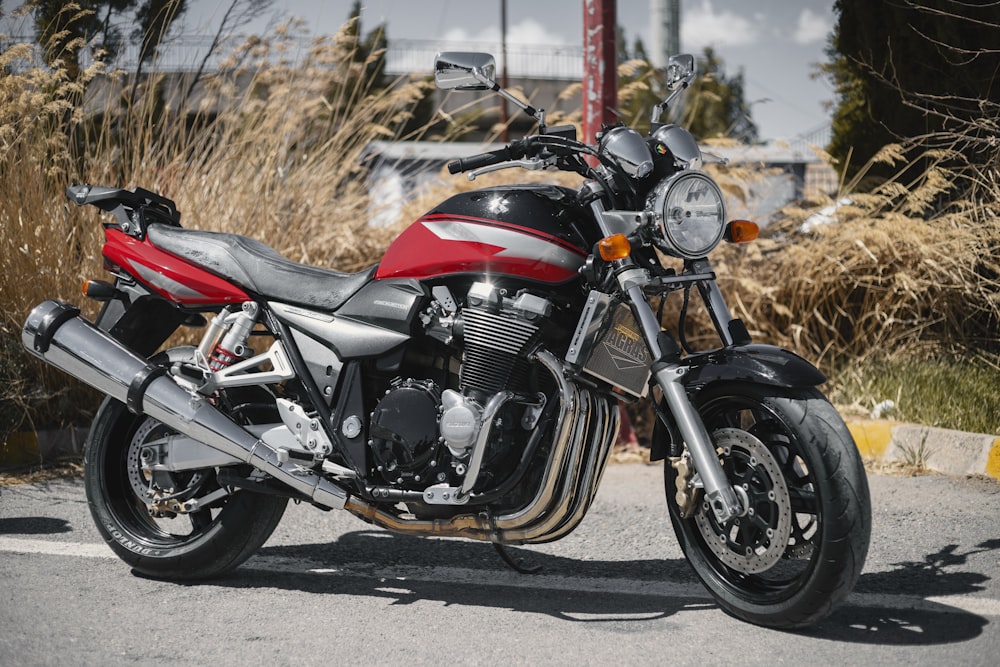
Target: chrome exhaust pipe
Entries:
(581, 447)
(55, 333)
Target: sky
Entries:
(776, 43)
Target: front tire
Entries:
(197, 545)
(800, 547)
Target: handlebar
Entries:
(512, 151)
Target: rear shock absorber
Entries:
(226, 340)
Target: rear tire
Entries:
(789, 562)
(197, 545)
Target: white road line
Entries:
(50, 548)
(393, 579)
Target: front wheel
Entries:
(800, 545)
(155, 541)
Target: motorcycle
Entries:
(469, 384)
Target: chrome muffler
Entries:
(55, 333)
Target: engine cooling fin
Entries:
(495, 347)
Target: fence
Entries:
(187, 53)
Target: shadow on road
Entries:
(928, 623)
(34, 525)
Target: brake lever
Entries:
(533, 164)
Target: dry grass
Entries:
(280, 162)
(897, 272)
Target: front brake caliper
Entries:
(687, 492)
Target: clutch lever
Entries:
(533, 164)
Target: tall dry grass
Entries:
(902, 270)
(274, 152)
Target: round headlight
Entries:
(690, 214)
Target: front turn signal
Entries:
(614, 247)
(742, 231)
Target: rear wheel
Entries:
(151, 536)
(799, 547)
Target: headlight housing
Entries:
(690, 214)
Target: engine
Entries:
(424, 435)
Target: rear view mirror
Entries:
(462, 70)
(680, 68)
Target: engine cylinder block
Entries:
(495, 343)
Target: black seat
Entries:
(259, 268)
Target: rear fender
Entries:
(140, 320)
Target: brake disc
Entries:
(136, 475)
(754, 541)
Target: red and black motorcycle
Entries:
(469, 384)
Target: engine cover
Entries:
(404, 429)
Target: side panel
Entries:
(348, 337)
(391, 304)
(168, 275)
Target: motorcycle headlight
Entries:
(690, 214)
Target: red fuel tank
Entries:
(532, 232)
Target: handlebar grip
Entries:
(474, 162)
(513, 151)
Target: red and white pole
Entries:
(600, 69)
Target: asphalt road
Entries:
(328, 589)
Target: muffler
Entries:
(56, 333)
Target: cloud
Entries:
(703, 26)
(528, 32)
(811, 27)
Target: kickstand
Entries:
(518, 564)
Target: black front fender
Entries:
(759, 364)
(755, 364)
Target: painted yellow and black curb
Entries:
(31, 447)
(937, 449)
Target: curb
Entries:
(33, 447)
(936, 449)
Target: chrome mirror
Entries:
(464, 70)
(680, 68)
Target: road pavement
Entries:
(329, 589)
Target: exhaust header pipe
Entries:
(56, 333)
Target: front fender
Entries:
(757, 364)
(760, 364)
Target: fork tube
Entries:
(714, 302)
(669, 373)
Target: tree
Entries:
(714, 104)
(64, 28)
(370, 50)
(912, 72)
(239, 13)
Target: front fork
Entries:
(726, 504)
(724, 500)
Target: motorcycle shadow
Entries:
(381, 564)
(931, 622)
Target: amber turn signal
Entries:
(614, 247)
(98, 290)
(742, 231)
